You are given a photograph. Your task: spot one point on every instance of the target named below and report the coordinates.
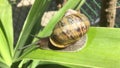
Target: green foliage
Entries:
(102, 50)
(6, 33)
(102, 46)
(32, 18)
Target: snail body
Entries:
(69, 29)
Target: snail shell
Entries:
(69, 29)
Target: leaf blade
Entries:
(33, 17)
(102, 50)
(6, 32)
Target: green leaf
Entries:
(6, 32)
(23, 62)
(33, 18)
(2, 65)
(102, 50)
(80, 5)
(34, 63)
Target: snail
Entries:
(69, 29)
